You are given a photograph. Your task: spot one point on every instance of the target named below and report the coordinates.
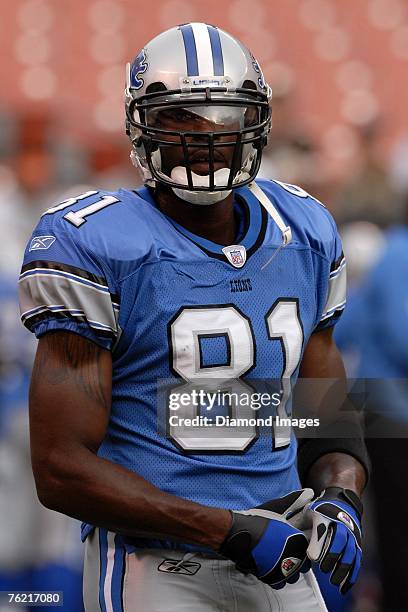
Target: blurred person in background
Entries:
(374, 333)
(363, 242)
(368, 193)
(38, 548)
(398, 164)
(17, 504)
(29, 174)
(291, 154)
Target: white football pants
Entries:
(152, 580)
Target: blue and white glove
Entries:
(262, 542)
(335, 540)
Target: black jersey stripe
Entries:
(49, 315)
(337, 263)
(258, 242)
(61, 267)
(336, 315)
(55, 265)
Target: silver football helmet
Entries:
(197, 112)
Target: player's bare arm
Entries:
(337, 470)
(332, 469)
(70, 399)
(338, 478)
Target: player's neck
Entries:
(215, 222)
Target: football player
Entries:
(200, 275)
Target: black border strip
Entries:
(249, 252)
(336, 315)
(336, 263)
(61, 267)
(29, 322)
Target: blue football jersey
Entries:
(172, 306)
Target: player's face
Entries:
(201, 121)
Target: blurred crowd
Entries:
(369, 200)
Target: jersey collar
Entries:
(254, 228)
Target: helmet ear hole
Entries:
(249, 85)
(155, 87)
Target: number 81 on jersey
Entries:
(187, 329)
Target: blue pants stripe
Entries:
(118, 575)
(103, 552)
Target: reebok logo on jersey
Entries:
(172, 566)
(236, 255)
(344, 518)
(41, 243)
(289, 565)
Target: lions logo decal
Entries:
(261, 80)
(139, 67)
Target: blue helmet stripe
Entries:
(218, 59)
(191, 49)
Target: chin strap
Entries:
(267, 204)
(203, 198)
(269, 207)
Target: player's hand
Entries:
(335, 540)
(262, 542)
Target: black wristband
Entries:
(311, 449)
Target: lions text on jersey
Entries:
(172, 305)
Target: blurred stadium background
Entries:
(338, 72)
